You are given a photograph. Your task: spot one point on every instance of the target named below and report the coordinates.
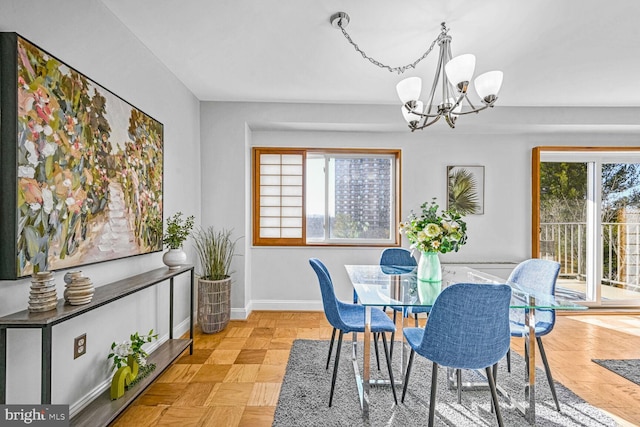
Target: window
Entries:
(325, 197)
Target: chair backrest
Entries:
(397, 256)
(468, 326)
(329, 300)
(541, 275)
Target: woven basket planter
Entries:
(214, 304)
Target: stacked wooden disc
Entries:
(79, 289)
(43, 295)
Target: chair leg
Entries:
(406, 376)
(393, 335)
(335, 367)
(333, 337)
(547, 369)
(432, 399)
(386, 353)
(509, 360)
(415, 316)
(459, 383)
(494, 394)
(375, 345)
(495, 379)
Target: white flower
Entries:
(49, 149)
(26, 172)
(433, 230)
(47, 130)
(38, 128)
(31, 149)
(70, 201)
(35, 206)
(67, 183)
(47, 199)
(123, 349)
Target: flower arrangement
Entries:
(430, 232)
(177, 230)
(133, 347)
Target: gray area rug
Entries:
(304, 396)
(626, 368)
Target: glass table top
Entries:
(378, 285)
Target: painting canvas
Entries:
(82, 168)
(465, 191)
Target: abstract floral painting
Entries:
(89, 169)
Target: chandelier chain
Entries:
(400, 69)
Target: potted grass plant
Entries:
(215, 249)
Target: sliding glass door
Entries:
(587, 217)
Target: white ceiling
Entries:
(556, 53)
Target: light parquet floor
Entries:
(233, 377)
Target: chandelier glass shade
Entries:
(448, 97)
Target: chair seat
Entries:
(413, 336)
(520, 330)
(353, 318)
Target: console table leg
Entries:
(171, 308)
(3, 366)
(45, 388)
(192, 309)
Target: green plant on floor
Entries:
(215, 250)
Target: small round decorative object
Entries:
(174, 258)
(79, 289)
(70, 275)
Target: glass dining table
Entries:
(398, 286)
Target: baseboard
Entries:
(287, 305)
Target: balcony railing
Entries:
(565, 242)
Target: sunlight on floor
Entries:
(626, 324)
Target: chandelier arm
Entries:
(436, 77)
(476, 110)
(400, 69)
(426, 124)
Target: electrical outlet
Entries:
(79, 346)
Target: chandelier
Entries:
(452, 78)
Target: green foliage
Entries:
(463, 192)
(133, 347)
(215, 251)
(430, 232)
(348, 228)
(177, 230)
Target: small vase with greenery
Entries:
(215, 249)
(178, 229)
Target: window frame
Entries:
(302, 241)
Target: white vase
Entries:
(174, 258)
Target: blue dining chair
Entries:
(403, 258)
(539, 275)
(468, 328)
(350, 318)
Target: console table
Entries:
(106, 294)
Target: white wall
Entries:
(500, 139)
(85, 35)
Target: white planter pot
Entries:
(174, 258)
